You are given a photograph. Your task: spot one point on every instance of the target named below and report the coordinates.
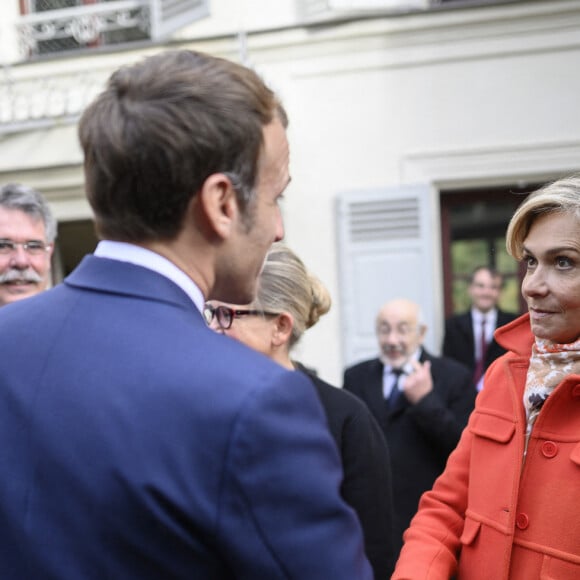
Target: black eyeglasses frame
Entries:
(225, 315)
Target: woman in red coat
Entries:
(507, 505)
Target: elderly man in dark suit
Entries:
(137, 444)
(422, 403)
(469, 336)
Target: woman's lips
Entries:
(537, 314)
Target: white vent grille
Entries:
(386, 219)
(167, 16)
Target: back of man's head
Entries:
(160, 129)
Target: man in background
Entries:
(469, 336)
(137, 443)
(421, 401)
(27, 234)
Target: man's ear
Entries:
(283, 329)
(219, 204)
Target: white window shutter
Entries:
(372, 4)
(385, 252)
(312, 8)
(168, 16)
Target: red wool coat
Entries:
(490, 516)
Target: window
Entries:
(52, 26)
(473, 230)
(75, 239)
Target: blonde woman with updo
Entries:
(289, 301)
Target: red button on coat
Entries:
(522, 521)
(549, 449)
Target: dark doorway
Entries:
(75, 240)
(473, 226)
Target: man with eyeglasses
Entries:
(136, 443)
(421, 401)
(27, 234)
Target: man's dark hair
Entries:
(492, 271)
(160, 129)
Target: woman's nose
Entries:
(534, 284)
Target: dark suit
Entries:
(458, 342)
(138, 444)
(420, 436)
(367, 484)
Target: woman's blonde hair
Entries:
(561, 196)
(285, 285)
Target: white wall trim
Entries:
(488, 166)
(428, 37)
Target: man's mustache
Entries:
(15, 275)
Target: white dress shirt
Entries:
(477, 319)
(125, 252)
(390, 380)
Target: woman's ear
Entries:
(219, 204)
(283, 329)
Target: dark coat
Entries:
(138, 444)
(420, 436)
(458, 341)
(367, 484)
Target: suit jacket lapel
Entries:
(376, 398)
(467, 328)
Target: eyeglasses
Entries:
(31, 247)
(225, 315)
(403, 330)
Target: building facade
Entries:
(415, 128)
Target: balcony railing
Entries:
(105, 22)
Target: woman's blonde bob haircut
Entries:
(561, 196)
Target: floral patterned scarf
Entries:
(550, 363)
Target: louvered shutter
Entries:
(313, 8)
(386, 251)
(168, 16)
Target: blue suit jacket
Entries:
(139, 444)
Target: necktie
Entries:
(395, 392)
(479, 366)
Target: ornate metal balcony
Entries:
(104, 22)
(82, 26)
(31, 101)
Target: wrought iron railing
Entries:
(79, 25)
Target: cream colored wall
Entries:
(450, 99)
(229, 16)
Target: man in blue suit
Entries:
(136, 442)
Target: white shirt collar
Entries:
(477, 318)
(139, 256)
(490, 317)
(407, 367)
